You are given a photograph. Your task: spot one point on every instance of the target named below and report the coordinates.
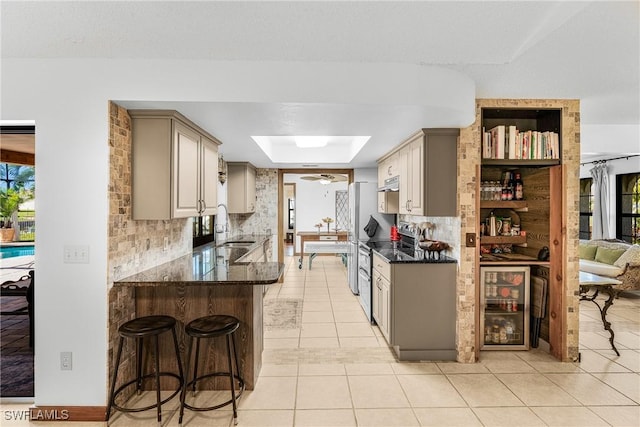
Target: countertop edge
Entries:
(443, 260)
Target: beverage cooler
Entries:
(504, 301)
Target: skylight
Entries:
(311, 148)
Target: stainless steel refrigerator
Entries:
(363, 204)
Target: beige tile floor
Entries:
(330, 367)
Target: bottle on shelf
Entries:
(519, 188)
(511, 187)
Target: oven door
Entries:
(364, 283)
(364, 258)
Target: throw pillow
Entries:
(631, 257)
(587, 252)
(608, 256)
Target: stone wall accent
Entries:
(445, 229)
(265, 219)
(469, 159)
(135, 246)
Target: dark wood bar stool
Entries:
(211, 327)
(140, 328)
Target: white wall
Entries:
(365, 174)
(314, 201)
(614, 167)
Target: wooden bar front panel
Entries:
(187, 303)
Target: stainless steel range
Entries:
(399, 250)
(364, 278)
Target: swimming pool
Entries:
(13, 251)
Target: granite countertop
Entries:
(212, 264)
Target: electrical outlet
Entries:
(66, 361)
(470, 240)
(165, 244)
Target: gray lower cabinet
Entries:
(414, 305)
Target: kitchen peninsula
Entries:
(214, 279)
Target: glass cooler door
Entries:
(504, 297)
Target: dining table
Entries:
(319, 236)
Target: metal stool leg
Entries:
(113, 381)
(232, 381)
(177, 349)
(139, 366)
(186, 381)
(157, 356)
(195, 365)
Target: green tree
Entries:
(16, 176)
(10, 201)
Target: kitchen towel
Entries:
(371, 227)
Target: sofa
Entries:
(612, 258)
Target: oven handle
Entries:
(364, 272)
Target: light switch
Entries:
(470, 240)
(76, 254)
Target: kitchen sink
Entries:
(238, 244)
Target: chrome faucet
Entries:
(226, 225)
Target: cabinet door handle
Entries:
(204, 206)
(389, 171)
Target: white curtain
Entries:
(600, 202)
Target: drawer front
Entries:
(328, 237)
(382, 265)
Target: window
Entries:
(203, 231)
(292, 214)
(586, 208)
(628, 207)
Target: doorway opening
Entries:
(17, 284)
(323, 181)
(289, 217)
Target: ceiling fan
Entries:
(325, 178)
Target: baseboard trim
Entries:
(67, 413)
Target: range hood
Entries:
(390, 184)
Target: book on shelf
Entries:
(512, 135)
(507, 142)
(497, 137)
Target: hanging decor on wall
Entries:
(222, 169)
(342, 209)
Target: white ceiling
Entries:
(537, 49)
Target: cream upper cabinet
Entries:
(411, 177)
(392, 166)
(174, 166)
(428, 173)
(209, 176)
(382, 172)
(241, 193)
(388, 167)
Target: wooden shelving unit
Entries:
(538, 213)
(516, 163)
(503, 240)
(516, 205)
